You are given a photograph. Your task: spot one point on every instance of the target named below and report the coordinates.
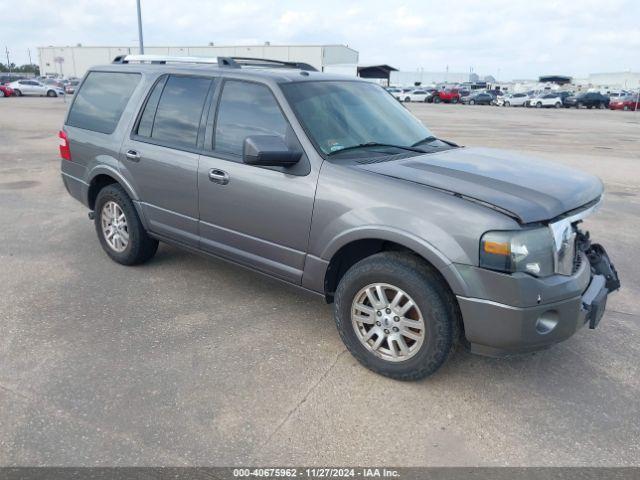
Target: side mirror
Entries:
(268, 151)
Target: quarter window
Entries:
(100, 102)
(246, 109)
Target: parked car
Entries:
(396, 92)
(629, 102)
(478, 98)
(446, 96)
(550, 99)
(329, 184)
(513, 100)
(587, 99)
(5, 91)
(71, 86)
(32, 87)
(418, 95)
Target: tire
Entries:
(435, 304)
(507, 104)
(539, 105)
(426, 100)
(407, 99)
(17, 92)
(558, 105)
(51, 93)
(602, 106)
(579, 105)
(625, 108)
(1, 93)
(472, 102)
(437, 99)
(140, 247)
(454, 100)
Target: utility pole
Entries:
(140, 28)
(29, 52)
(6, 49)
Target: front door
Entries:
(161, 160)
(259, 216)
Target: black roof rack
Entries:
(230, 62)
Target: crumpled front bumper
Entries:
(494, 328)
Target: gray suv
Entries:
(328, 183)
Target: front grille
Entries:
(577, 263)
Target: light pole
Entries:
(140, 28)
(6, 49)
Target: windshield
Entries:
(340, 115)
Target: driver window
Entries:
(246, 109)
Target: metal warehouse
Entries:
(75, 61)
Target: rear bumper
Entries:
(498, 329)
(76, 187)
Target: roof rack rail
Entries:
(163, 59)
(265, 62)
(232, 62)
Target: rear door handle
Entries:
(132, 155)
(218, 176)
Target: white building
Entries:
(609, 81)
(405, 79)
(74, 61)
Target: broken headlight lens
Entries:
(528, 251)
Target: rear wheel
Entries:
(602, 106)
(1, 93)
(51, 93)
(558, 105)
(396, 316)
(437, 100)
(507, 104)
(454, 100)
(119, 229)
(580, 105)
(625, 108)
(472, 102)
(407, 99)
(539, 105)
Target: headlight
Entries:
(529, 251)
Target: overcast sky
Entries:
(509, 38)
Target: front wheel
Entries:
(51, 93)
(454, 100)
(507, 104)
(558, 105)
(437, 100)
(17, 92)
(539, 105)
(472, 102)
(119, 228)
(1, 93)
(602, 106)
(396, 316)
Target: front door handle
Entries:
(218, 176)
(132, 155)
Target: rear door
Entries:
(160, 157)
(258, 216)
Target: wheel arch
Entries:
(352, 247)
(102, 176)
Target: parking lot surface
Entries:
(192, 361)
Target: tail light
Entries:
(65, 152)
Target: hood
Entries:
(529, 189)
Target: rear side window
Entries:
(172, 113)
(100, 102)
(246, 109)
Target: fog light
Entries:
(547, 322)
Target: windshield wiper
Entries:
(428, 139)
(376, 144)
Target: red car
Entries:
(5, 91)
(447, 96)
(624, 103)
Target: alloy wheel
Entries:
(114, 226)
(388, 322)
